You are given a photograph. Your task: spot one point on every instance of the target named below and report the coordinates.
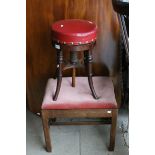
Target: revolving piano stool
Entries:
(74, 35)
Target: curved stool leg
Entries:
(88, 63)
(59, 73)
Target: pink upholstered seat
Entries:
(80, 97)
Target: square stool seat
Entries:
(80, 97)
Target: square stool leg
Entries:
(113, 130)
(45, 121)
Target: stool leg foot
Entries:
(46, 131)
(92, 87)
(59, 80)
(59, 73)
(113, 130)
(88, 63)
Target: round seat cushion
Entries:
(74, 31)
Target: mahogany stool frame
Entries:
(88, 59)
(48, 115)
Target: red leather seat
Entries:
(74, 31)
(80, 97)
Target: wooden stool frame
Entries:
(88, 59)
(47, 115)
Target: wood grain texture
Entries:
(41, 56)
(79, 113)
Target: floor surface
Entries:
(76, 140)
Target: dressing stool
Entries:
(78, 103)
(74, 35)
